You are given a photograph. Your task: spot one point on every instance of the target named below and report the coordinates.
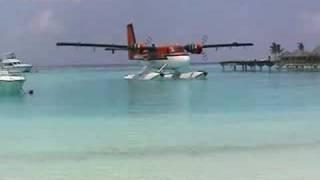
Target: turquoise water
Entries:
(89, 123)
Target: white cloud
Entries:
(45, 22)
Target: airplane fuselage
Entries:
(171, 62)
(161, 52)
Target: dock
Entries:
(247, 65)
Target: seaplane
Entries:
(159, 61)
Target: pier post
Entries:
(255, 65)
(279, 67)
(254, 68)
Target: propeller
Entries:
(149, 52)
(204, 56)
(204, 41)
(148, 41)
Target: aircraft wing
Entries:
(107, 47)
(235, 44)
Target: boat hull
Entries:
(11, 87)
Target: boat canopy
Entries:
(14, 61)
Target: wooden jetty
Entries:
(248, 65)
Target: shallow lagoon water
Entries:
(89, 123)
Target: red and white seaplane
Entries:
(165, 61)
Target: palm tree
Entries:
(300, 46)
(273, 48)
(276, 50)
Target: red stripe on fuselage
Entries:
(159, 52)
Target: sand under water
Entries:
(89, 123)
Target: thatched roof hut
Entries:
(316, 50)
(300, 57)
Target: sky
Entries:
(32, 27)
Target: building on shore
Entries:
(300, 60)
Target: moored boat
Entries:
(11, 63)
(10, 83)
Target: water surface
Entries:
(89, 123)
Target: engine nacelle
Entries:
(194, 48)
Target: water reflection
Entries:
(12, 96)
(164, 96)
(11, 104)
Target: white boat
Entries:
(11, 63)
(10, 83)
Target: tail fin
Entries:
(131, 35)
(131, 40)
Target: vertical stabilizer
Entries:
(131, 40)
(131, 35)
